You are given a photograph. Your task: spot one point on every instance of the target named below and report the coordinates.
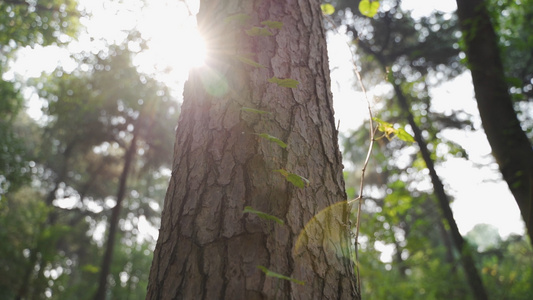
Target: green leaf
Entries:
(262, 215)
(249, 61)
(272, 24)
(289, 83)
(327, 9)
(389, 131)
(404, 135)
(90, 268)
(385, 127)
(368, 8)
(253, 110)
(273, 139)
(295, 179)
(238, 18)
(277, 275)
(298, 180)
(258, 31)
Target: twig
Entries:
(367, 159)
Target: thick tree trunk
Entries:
(207, 247)
(510, 145)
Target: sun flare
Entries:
(174, 43)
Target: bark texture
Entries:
(207, 247)
(510, 145)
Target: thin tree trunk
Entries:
(115, 216)
(33, 260)
(473, 278)
(510, 145)
(472, 275)
(207, 247)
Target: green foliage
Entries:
(288, 83)
(368, 8)
(327, 9)
(262, 215)
(390, 131)
(512, 21)
(273, 24)
(78, 156)
(27, 23)
(277, 275)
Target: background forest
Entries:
(86, 147)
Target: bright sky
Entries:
(175, 47)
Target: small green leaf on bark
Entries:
(273, 139)
(277, 275)
(295, 179)
(258, 31)
(272, 24)
(289, 83)
(238, 18)
(249, 61)
(262, 215)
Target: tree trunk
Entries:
(510, 145)
(474, 280)
(472, 275)
(207, 247)
(115, 217)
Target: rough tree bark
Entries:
(207, 247)
(510, 145)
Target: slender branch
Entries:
(372, 131)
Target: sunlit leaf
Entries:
(277, 275)
(368, 8)
(283, 172)
(249, 61)
(238, 18)
(298, 180)
(327, 9)
(90, 268)
(404, 135)
(273, 24)
(289, 83)
(258, 31)
(253, 110)
(389, 131)
(385, 127)
(295, 179)
(262, 215)
(273, 139)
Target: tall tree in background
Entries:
(410, 53)
(510, 145)
(256, 133)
